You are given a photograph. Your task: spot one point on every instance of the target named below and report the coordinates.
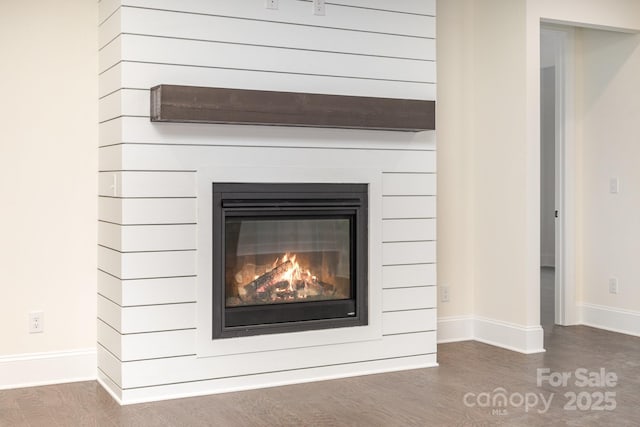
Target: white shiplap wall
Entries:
(151, 200)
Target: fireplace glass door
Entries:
(288, 257)
(273, 260)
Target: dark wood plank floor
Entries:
(425, 397)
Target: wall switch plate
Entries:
(318, 7)
(271, 4)
(36, 322)
(613, 285)
(444, 293)
(614, 185)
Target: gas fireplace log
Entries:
(321, 288)
(267, 280)
(327, 288)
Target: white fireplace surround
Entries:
(154, 254)
(154, 333)
(205, 177)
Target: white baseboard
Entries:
(455, 328)
(610, 318)
(523, 339)
(37, 369)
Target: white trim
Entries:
(523, 339)
(206, 347)
(566, 172)
(272, 379)
(38, 369)
(610, 319)
(455, 328)
(565, 23)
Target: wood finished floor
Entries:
(424, 397)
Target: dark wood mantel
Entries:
(191, 104)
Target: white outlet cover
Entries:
(444, 293)
(271, 4)
(614, 185)
(319, 7)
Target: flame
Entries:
(285, 280)
(295, 273)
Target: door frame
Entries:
(565, 173)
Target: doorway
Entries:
(557, 177)
(547, 187)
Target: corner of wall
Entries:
(522, 339)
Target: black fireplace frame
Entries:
(291, 200)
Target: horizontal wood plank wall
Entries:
(148, 191)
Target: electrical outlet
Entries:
(614, 185)
(318, 7)
(613, 285)
(444, 293)
(271, 4)
(36, 322)
(114, 185)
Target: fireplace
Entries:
(288, 257)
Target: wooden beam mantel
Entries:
(190, 104)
